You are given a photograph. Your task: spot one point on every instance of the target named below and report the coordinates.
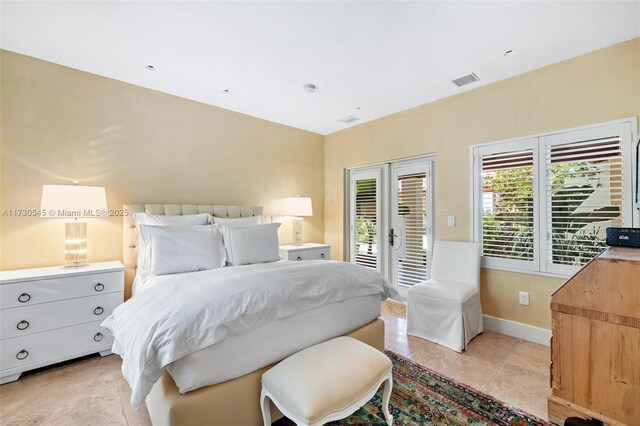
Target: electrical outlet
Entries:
(524, 298)
(451, 221)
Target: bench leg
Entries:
(386, 396)
(266, 409)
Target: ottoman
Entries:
(327, 382)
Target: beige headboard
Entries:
(130, 233)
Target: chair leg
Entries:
(386, 396)
(266, 408)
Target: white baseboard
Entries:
(527, 332)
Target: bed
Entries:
(189, 393)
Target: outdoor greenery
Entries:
(571, 242)
(365, 228)
(508, 226)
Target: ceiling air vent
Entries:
(465, 80)
(348, 119)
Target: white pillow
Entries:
(252, 244)
(144, 263)
(176, 249)
(237, 222)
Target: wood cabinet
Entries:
(595, 348)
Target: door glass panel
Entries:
(411, 239)
(366, 205)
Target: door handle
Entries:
(391, 237)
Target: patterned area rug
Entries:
(423, 397)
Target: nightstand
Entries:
(307, 251)
(48, 315)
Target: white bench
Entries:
(327, 382)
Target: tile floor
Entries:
(512, 370)
(92, 391)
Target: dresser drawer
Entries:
(308, 254)
(25, 320)
(48, 290)
(22, 351)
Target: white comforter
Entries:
(183, 313)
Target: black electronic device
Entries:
(623, 237)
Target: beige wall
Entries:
(59, 124)
(599, 86)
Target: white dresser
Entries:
(306, 251)
(48, 315)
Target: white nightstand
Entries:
(48, 315)
(307, 251)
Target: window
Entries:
(542, 204)
(366, 207)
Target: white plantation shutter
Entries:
(365, 218)
(543, 203)
(507, 205)
(584, 194)
(412, 210)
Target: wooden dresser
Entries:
(595, 349)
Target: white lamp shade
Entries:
(297, 206)
(73, 201)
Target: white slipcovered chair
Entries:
(446, 308)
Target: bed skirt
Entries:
(234, 402)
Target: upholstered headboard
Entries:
(130, 233)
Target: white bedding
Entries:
(243, 353)
(183, 313)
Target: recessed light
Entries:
(358, 108)
(151, 67)
(309, 88)
(348, 119)
(508, 53)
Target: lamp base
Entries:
(75, 244)
(76, 266)
(296, 225)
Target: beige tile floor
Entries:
(92, 391)
(510, 369)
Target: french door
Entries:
(390, 219)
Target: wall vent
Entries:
(465, 80)
(348, 119)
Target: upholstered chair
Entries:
(446, 308)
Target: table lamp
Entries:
(297, 207)
(73, 202)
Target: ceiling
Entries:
(368, 59)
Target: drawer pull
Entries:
(22, 354)
(23, 325)
(98, 337)
(299, 258)
(99, 310)
(99, 287)
(322, 255)
(24, 298)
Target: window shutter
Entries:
(584, 194)
(412, 209)
(366, 206)
(507, 204)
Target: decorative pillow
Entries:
(237, 222)
(252, 244)
(176, 249)
(160, 220)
